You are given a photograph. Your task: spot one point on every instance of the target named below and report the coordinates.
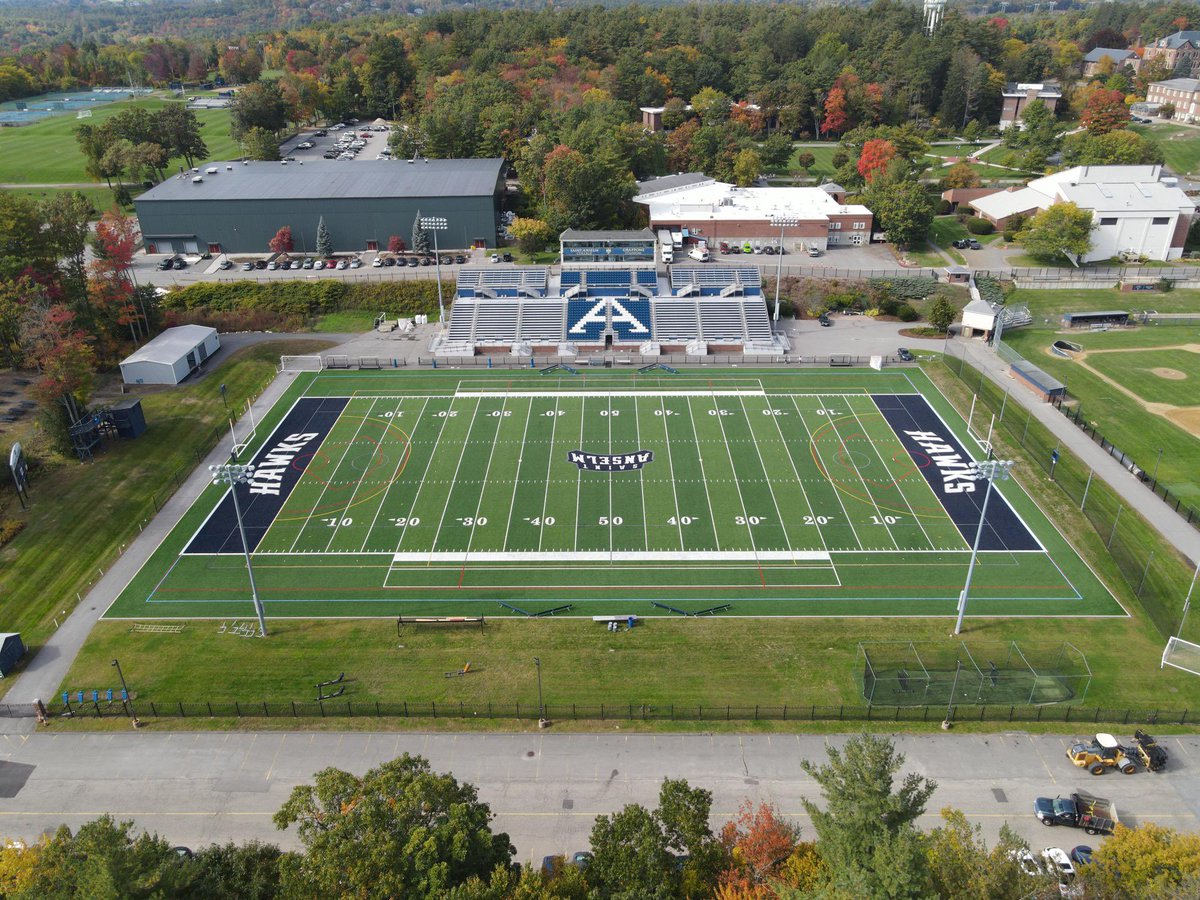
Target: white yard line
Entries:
(579, 476)
(512, 503)
(421, 484)
(712, 517)
(637, 424)
(899, 489)
(736, 483)
(671, 467)
(766, 473)
(549, 465)
(837, 493)
(454, 479)
(800, 481)
(354, 493)
(487, 471)
(878, 512)
(332, 474)
(392, 483)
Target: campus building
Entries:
(1182, 93)
(1100, 60)
(1179, 51)
(237, 207)
(1138, 210)
(606, 246)
(1018, 96)
(702, 209)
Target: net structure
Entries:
(301, 363)
(907, 673)
(1181, 654)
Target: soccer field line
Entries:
(816, 453)
(469, 556)
(454, 478)
(401, 462)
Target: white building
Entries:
(1137, 209)
(703, 209)
(170, 357)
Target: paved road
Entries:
(546, 789)
(1184, 537)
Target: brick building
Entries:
(703, 209)
(1179, 51)
(1094, 63)
(1018, 96)
(1183, 93)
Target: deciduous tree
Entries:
(805, 160)
(961, 865)
(960, 175)
(396, 244)
(1116, 148)
(258, 105)
(902, 208)
(260, 145)
(759, 843)
(874, 159)
(1061, 233)
(282, 241)
(1149, 861)
(401, 830)
(747, 166)
(941, 314)
(530, 234)
(1105, 111)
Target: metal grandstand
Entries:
(520, 309)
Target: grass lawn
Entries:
(346, 321)
(100, 197)
(1052, 304)
(47, 153)
(930, 258)
(1181, 146)
(81, 514)
(823, 154)
(1179, 382)
(520, 257)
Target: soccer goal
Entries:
(301, 363)
(1181, 654)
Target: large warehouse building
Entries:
(237, 207)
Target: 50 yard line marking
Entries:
(332, 474)
(341, 517)
(412, 439)
(512, 503)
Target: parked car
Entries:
(180, 262)
(260, 264)
(331, 263)
(412, 262)
(342, 264)
(495, 257)
(164, 264)
(814, 251)
(446, 260)
(394, 262)
(459, 260)
(248, 267)
(272, 266)
(377, 262)
(356, 263)
(507, 257)
(905, 355)
(225, 265)
(974, 245)
(309, 263)
(824, 320)
(960, 244)
(426, 261)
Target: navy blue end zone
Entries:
(277, 469)
(944, 462)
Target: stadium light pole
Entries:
(537, 661)
(233, 474)
(783, 222)
(436, 224)
(989, 470)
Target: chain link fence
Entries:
(1155, 573)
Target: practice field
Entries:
(734, 492)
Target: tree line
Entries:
(404, 830)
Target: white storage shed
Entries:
(172, 356)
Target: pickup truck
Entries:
(1094, 815)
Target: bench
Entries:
(439, 620)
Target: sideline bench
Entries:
(439, 620)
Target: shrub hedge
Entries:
(989, 289)
(904, 288)
(310, 298)
(975, 225)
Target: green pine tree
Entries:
(420, 237)
(324, 241)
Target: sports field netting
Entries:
(775, 494)
(905, 673)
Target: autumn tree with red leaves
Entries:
(66, 363)
(1105, 111)
(876, 155)
(396, 244)
(836, 116)
(282, 242)
(112, 297)
(759, 842)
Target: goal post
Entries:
(301, 363)
(1181, 654)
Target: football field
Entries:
(731, 492)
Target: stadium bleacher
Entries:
(715, 281)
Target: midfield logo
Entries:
(613, 462)
(958, 475)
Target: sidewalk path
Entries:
(1168, 523)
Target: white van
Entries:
(700, 254)
(668, 254)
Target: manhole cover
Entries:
(568, 804)
(999, 795)
(529, 754)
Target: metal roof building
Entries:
(170, 357)
(237, 207)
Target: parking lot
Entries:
(354, 140)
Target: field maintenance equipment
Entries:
(1102, 754)
(1095, 815)
(1147, 751)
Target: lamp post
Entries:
(541, 706)
(223, 400)
(233, 474)
(783, 222)
(436, 224)
(989, 470)
(121, 675)
(1154, 477)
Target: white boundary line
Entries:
(412, 439)
(487, 471)
(600, 392)
(736, 481)
(454, 478)
(766, 472)
(712, 516)
(671, 468)
(428, 464)
(549, 464)
(463, 556)
(512, 501)
(637, 426)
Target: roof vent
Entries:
(197, 179)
